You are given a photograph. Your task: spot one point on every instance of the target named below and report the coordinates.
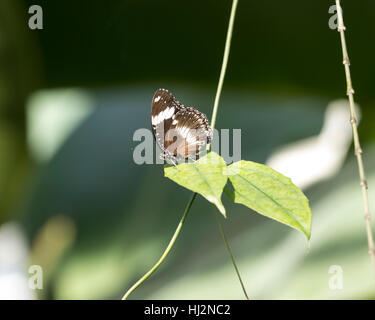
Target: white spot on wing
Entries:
(163, 115)
(168, 113)
(157, 98)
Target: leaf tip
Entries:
(218, 204)
(221, 208)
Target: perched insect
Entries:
(181, 132)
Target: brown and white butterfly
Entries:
(181, 132)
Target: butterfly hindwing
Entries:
(192, 131)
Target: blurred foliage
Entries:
(96, 221)
(283, 47)
(19, 76)
(124, 213)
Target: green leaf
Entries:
(204, 176)
(270, 193)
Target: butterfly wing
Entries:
(180, 131)
(163, 107)
(189, 133)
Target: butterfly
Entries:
(181, 132)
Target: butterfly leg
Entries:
(192, 158)
(166, 157)
(174, 163)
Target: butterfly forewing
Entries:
(163, 108)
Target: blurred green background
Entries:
(74, 202)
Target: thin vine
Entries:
(353, 120)
(167, 250)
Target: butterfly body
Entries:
(181, 132)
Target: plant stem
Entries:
(213, 121)
(167, 250)
(353, 120)
(230, 254)
(224, 64)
